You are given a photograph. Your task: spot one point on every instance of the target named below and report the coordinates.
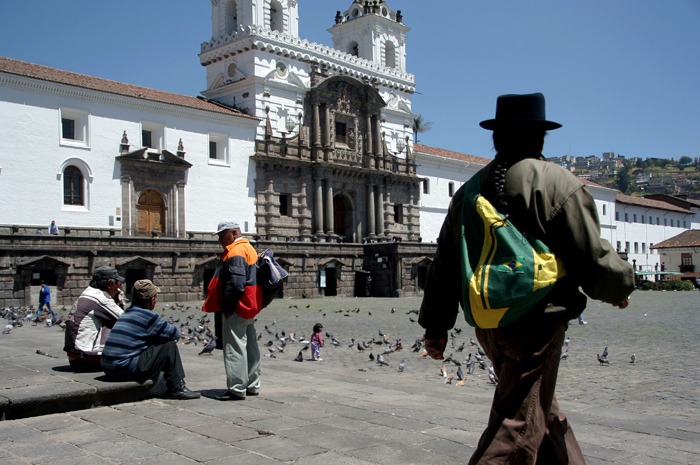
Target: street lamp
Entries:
(400, 145)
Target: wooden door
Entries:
(151, 213)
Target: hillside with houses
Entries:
(637, 176)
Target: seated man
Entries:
(142, 344)
(88, 323)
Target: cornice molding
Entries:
(277, 43)
(33, 85)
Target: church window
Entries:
(146, 138)
(285, 204)
(73, 186)
(604, 209)
(231, 16)
(281, 70)
(152, 136)
(426, 186)
(276, 16)
(390, 55)
(68, 128)
(451, 189)
(341, 131)
(218, 149)
(398, 213)
(354, 49)
(74, 127)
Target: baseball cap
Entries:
(144, 289)
(106, 272)
(225, 225)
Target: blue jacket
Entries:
(136, 330)
(44, 294)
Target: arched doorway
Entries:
(342, 217)
(151, 214)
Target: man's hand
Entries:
(622, 304)
(435, 347)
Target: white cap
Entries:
(225, 225)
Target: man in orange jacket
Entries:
(234, 292)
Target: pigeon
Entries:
(458, 330)
(493, 379)
(371, 356)
(633, 358)
(299, 357)
(472, 341)
(209, 347)
(602, 360)
(460, 373)
(381, 361)
(492, 374)
(565, 355)
(566, 341)
(402, 365)
(417, 345)
(605, 352)
(360, 346)
(7, 329)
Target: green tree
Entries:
(685, 161)
(624, 180)
(420, 125)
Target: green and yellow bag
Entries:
(509, 273)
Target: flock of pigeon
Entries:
(197, 330)
(380, 348)
(18, 317)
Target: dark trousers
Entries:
(159, 358)
(526, 425)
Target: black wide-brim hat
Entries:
(520, 110)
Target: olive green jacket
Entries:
(551, 204)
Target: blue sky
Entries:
(621, 76)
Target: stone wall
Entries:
(183, 266)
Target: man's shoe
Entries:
(252, 392)
(229, 395)
(181, 392)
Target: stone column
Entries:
(316, 128)
(328, 143)
(368, 139)
(330, 226)
(126, 205)
(370, 211)
(182, 225)
(378, 143)
(319, 205)
(380, 210)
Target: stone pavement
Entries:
(350, 410)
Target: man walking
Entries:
(548, 203)
(142, 345)
(234, 292)
(44, 301)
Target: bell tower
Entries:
(371, 30)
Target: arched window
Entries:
(73, 186)
(231, 17)
(276, 16)
(354, 49)
(390, 55)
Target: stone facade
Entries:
(182, 268)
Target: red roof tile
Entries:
(649, 203)
(45, 73)
(689, 238)
(438, 152)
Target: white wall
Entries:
(32, 156)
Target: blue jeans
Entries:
(41, 308)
